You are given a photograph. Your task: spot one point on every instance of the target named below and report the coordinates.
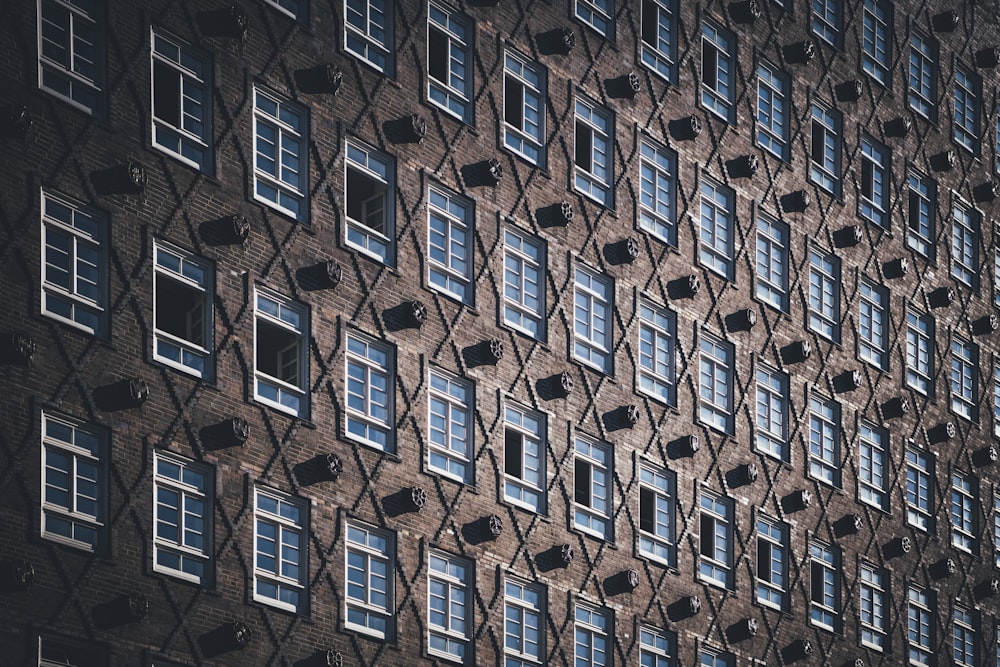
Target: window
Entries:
(772, 109)
(965, 129)
(524, 458)
(920, 352)
(281, 165)
(658, 191)
(449, 61)
(295, 9)
(772, 562)
(715, 384)
(524, 108)
(919, 627)
(996, 270)
(919, 472)
(594, 173)
(369, 382)
(524, 628)
(74, 489)
(598, 14)
(875, 164)
(824, 585)
(59, 652)
(369, 193)
(280, 572)
(715, 239)
(592, 636)
(824, 440)
(872, 465)
(282, 370)
(964, 637)
(369, 562)
(873, 324)
(74, 288)
(718, 71)
(182, 497)
(656, 647)
(920, 214)
(827, 20)
(825, 150)
(996, 530)
(964, 392)
(922, 77)
(963, 512)
(771, 284)
(996, 401)
(965, 245)
(592, 488)
(449, 241)
(657, 337)
(656, 513)
(450, 442)
(716, 539)
(182, 101)
(659, 38)
(524, 282)
(712, 657)
(182, 310)
(872, 606)
(592, 300)
(772, 413)
(824, 294)
(449, 614)
(876, 42)
(71, 52)
(368, 32)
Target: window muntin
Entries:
(368, 32)
(592, 636)
(771, 284)
(59, 652)
(920, 214)
(965, 245)
(920, 352)
(181, 87)
(598, 14)
(963, 512)
(658, 190)
(449, 61)
(824, 294)
(922, 76)
(824, 153)
(827, 21)
(996, 270)
(655, 371)
(592, 480)
(876, 41)
(964, 382)
(872, 606)
(824, 440)
(74, 491)
(369, 192)
(996, 530)
(875, 182)
(524, 108)
(294, 9)
(772, 562)
(182, 310)
(280, 552)
(712, 657)
(715, 384)
(966, 95)
(919, 627)
(716, 232)
(963, 635)
(450, 428)
(369, 368)
(369, 556)
(592, 303)
(657, 648)
(281, 363)
(281, 162)
(182, 529)
(74, 263)
(996, 401)
(524, 282)
(524, 628)
(919, 473)
(824, 585)
(772, 109)
(873, 465)
(449, 244)
(657, 496)
(71, 52)
(772, 413)
(718, 70)
(715, 560)
(658, 47)
(873, 324)
(524, 458)
(594, 172)
(449, 612)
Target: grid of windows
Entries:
(523, 108)
(657, 336)
(965, 245)
(824, 440)
(449, 244)
(449, 443)
(920, 352)
(873, 324)
(524, 629)
(524, 282)
(872, 606)
(715, 384)
(368, 32)
(771, 281)
(281, 363)
(369, 367)
(873, 465)
(772, 413)
(74, 494)
(772, 562)
(658, 191)
(658, 48)
(824, 294)
(656, 513)
(824, 152)
(824, 585)
(280, 549)
(182, 101)
(919, 627)
(449, 61)
(718, 70)
(921, 195)
(963, 512)
(715, 552)
(182, 310)
(772, 109)
(449, 614)
(827, 20)
(963, 636)
(368, 191)
(875, 165)
(524, 458)
(965, 129)
(919, 473)
(369, 594)
(922, 76)
(876, 42)
(592, 302)
(281, 164)
(71, 52)
(592, 470)
(182, 501)
(592, 636)
(964, 364)
(715, 237)
(594, 173)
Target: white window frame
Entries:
(824, 294)
(873, 324)
(370, 164)
(873, 465)
(449, 626)
(921, 213)
(965, 119)
(872, 608)
(657, 648)
(824, 430)
(284, 186)
(717, 228)
(194, 274)
(79, 79)
(876, 166)
(919, 627)
(716, 382)
(658, 38)
(772, 262)
(964, 514)
(593, 630)
(524, 273)
(524, 115)
(524, 623)
(922, 75)
(965, 228)
(450, 240)
(657, 210)
(825, 147)
(963, 636)
(918, 491)
(996, 529)
(453, 92)
(718, 70)
(996, 401)
(369, 391)
(598, 14)
(292, 317)
(657, 513)
(824, 585)
(525, 481)
(192, 486)
(773, 562)
(709, 656)
(715, 539)
(771, 413)
(290, 520)
(996, 270)
(656, 359)
(450, 427)
(593, 506)
(773, 88)
(593, 150)
(876, 41)
(920, 352)
(964, 380)
(827, 21)
(368, 33)
(593, 307)
(85, 483)
(188, 137)
(375, 607)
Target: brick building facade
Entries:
(585, 332)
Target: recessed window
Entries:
(715, 384)
(772, 562)
(920, 213)
(449, 61)
(524, 282)
(295, 9)
(715, 540)
(965, 245)
(656, 513)
(876, 41)
(657, 648)
(369, 193)
(281, 162)
(963, 636)
(824, 294)
(369, 382)
(772, 109)
(594, 172)
(524, 626)
(71, 52)
(524, 108)
(873, 324)
(524, 458)
(996, 401)
(771, 277)
(450, 427)
(74, 485)
(281, 368)
(182, 497)
(592, 486)
(824, 440)
(370, 566)
(964, 492)
(593, 631)
(872, 607)
(922, 76)
(182, 310)
(449, 244)
(824, 154)
(718, 71)
(875, 165)
(965, 129)
(713, 657)
(920, 352)
(996, 530)
(873, 465)
(368, 32)
(717, 228)
(655, 375)
(772, 413)
(918, 493)
(449, 612)
(824, 585)
(659, 38)
(182, 101)
(964, 382)
(919, 627)
(827, 21)
(281, 573)
(592, 302)
(598, 14)
(996, 270)
(658, 191)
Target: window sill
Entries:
(610, 543)
(471, 487)
(593, 369)
(303, 421)
(543, 517)
(461, 124)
